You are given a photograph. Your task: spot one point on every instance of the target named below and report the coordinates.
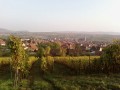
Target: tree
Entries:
(55, 45)
(47, 51)
(110, 56)
(19, 59)
(40, 52)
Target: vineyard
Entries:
(71, 61)
(4, 60)
(68, 61)
(7, 61)
(59, 80)
(77, 64)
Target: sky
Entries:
(60, 15)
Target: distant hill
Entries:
(2, 30)
(90, 33)
(105, 33)
(6, 31)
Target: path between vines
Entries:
(36, 73)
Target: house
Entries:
(2, 42)
(33, 47)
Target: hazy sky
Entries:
(60, 15)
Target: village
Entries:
(71, 47)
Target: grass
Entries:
(81, 82)
(5, 80)
(86, 82)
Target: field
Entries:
(60, 78)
